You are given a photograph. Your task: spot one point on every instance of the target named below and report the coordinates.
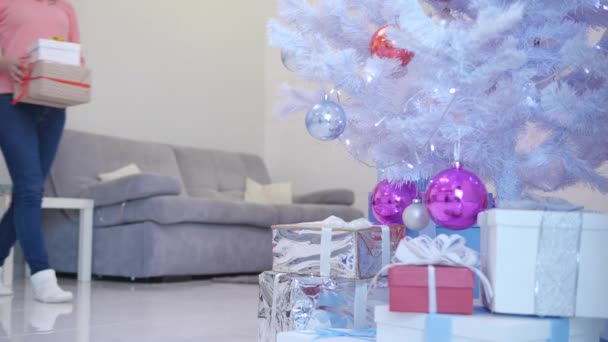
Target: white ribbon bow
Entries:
(336, 222)
(444, 250)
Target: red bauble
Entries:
(382, 46)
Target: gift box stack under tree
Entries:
(322, 272)
(543, 280)
(541, 274)
(54, 76)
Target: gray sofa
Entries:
(184, 216)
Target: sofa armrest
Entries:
(336, 196)
(132, 188)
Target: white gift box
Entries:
(55, 51)
(546, 263)
(482, 327)
(311, 336)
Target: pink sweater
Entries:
(22, 22)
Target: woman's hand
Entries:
(14, 68)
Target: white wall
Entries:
(180, 71)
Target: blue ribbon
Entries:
(560, 330)
(364, 335)
(438, 328)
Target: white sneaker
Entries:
(4, 291)
(46, 289)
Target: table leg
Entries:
(85, 245)
(9, 262)
(83, 312)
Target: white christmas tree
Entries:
(522, 85)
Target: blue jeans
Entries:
(29, 137)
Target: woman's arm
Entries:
(74, 31)
(9, 64)
(74, 28)
(13, 67)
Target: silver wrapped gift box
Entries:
(290, 302)
(334, 248)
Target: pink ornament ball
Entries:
(455, 197)
(389, 200)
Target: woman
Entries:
(30, 135)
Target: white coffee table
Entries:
(85, 236)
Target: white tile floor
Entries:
(115, 312)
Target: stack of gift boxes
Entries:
(544, 275)
(545, 282)
(322, 276)
(54, 76)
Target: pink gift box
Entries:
(409, 289)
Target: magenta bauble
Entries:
(389, 200)
(454, 197)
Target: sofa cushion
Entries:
(128, 170)
(297, 213)
(168, 210)
(217, 174)
(279, 193)
(131, 188)
(82, 156)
